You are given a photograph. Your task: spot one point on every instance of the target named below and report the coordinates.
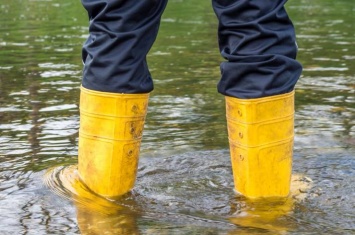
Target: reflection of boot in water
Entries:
(95, 214)
(271, 214)
(111, 127)
(267, 214)
(93, 222)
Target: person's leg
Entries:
(121, 34)
(258, 41)
(114, 93)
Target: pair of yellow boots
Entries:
(260, 136)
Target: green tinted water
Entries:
(184, 184)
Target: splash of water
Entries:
(194, 188)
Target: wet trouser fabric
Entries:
(255, 37)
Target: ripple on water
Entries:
(193, 189)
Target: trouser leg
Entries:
(258, 41)
(114, 93)
(121, 34)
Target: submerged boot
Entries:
(111, 127)
(260, 134)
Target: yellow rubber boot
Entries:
(260, 135)
(111, 127)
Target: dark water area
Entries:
(184, 183)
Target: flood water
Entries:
(184, 183)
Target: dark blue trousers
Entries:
(256, 37)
